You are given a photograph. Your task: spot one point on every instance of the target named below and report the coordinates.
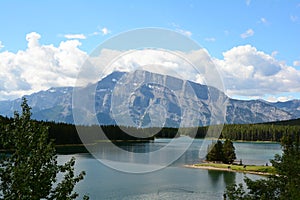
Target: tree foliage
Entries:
(31, 170)
(258, 132)
(284, 185)
(215, 152)
(220, 152)
(228, 152)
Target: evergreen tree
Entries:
(215, 152)
(228, 152)
(284, 185)
(30, 172)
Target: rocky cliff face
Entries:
(254, 111)
(147, 99)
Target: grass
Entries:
(240, 168)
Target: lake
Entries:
(171, 182)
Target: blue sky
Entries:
(264, 28)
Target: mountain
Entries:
(292, 106)
(146, 99)
(54, 104)
(254, 111)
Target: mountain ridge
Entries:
(55, 104)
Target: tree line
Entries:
(64, 133)
(258, 132)
(252, 132)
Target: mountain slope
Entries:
(254, 111)
(54, 104)
(154, 100)
(292, 106)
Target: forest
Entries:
(63, 133)
(271, 131)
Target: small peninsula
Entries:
(250, 169)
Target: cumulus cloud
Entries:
(247, 34)
(249, 72)
(33, 39)
(39, 67)
(75, 36)
(195, 65)
(244, 70)
(156, 61)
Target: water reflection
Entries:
(214, 177)
(229, 178)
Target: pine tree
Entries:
(215, 152)
(228, 152)
(30, 172)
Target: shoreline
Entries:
(209, 167)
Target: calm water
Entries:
(172, 182)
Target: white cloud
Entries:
(185, 32)
(247, 34)
(157, 61)
(245, 70)
(102, 31)
(75, 36)
(173, 63)
(296, 63)
(1, 45)
(105, 31)
(39, 67)
(249, 72)
(33, 39)
(248, 2)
